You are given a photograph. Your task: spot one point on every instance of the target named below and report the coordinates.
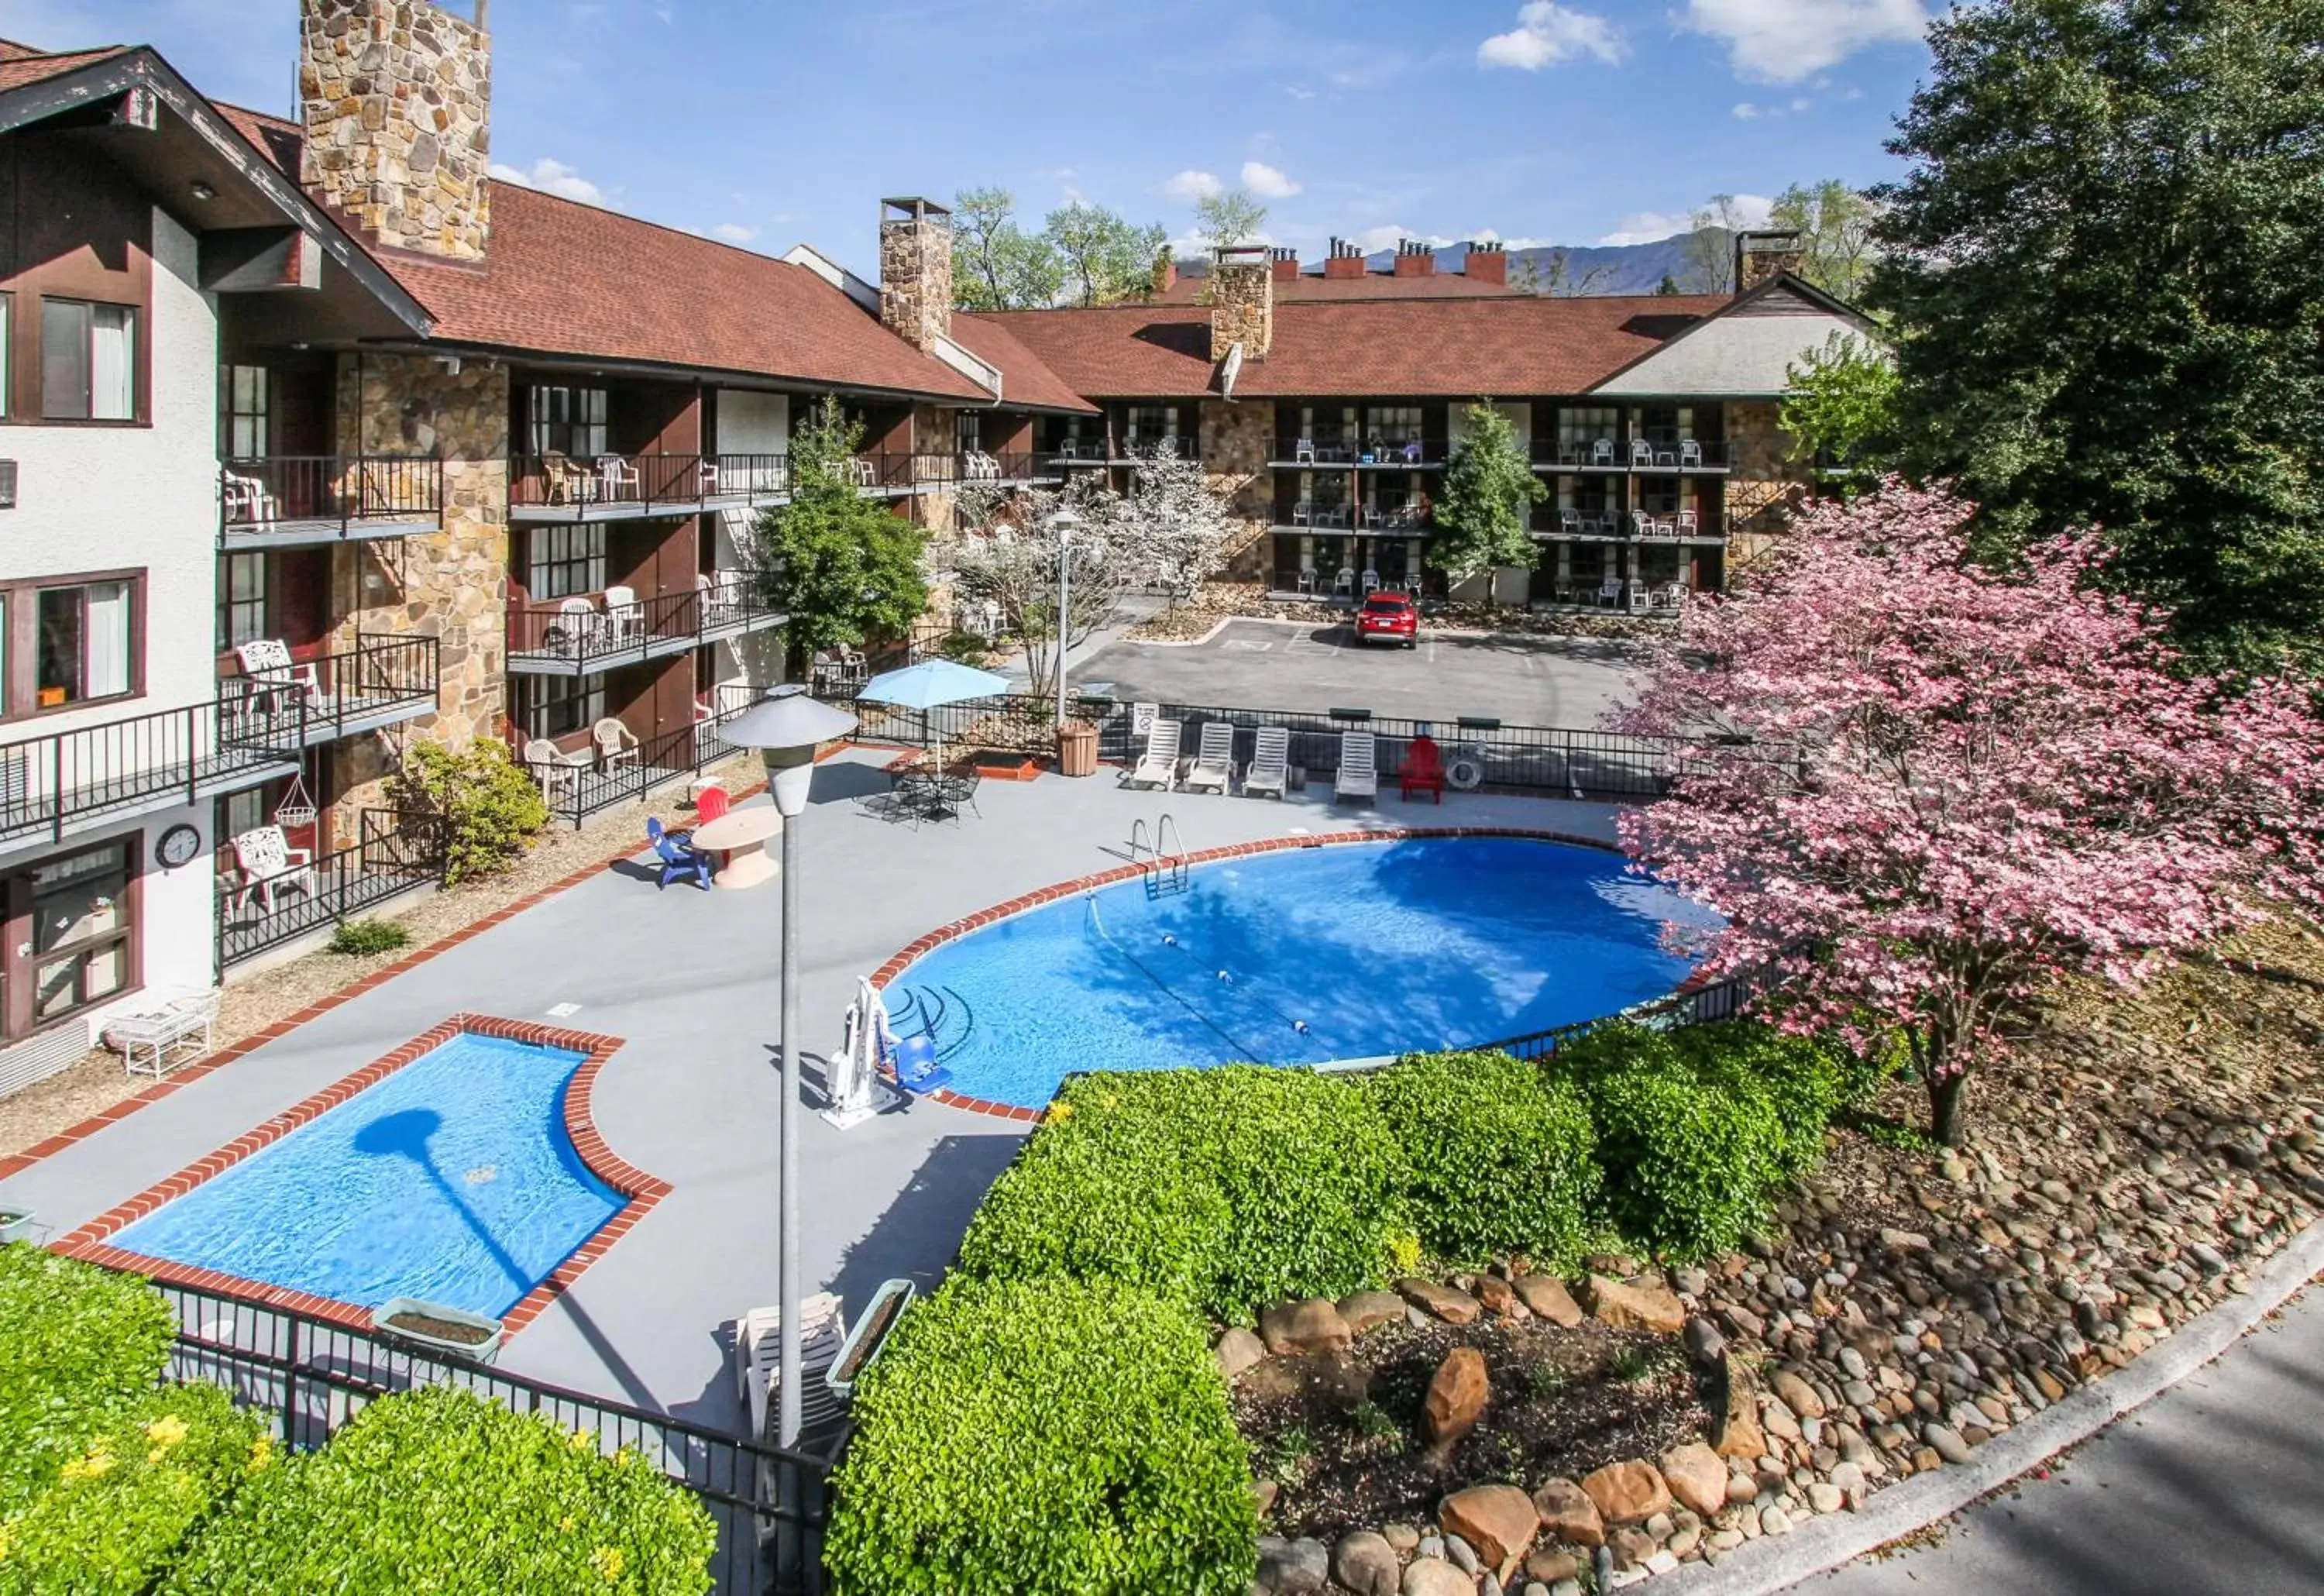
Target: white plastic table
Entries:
(741, 836)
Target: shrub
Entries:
(77, 1345)
(357, 937)
(1502, 1155)
(1696, 1125)
(485, 803)
(1040, 1438)
(1225, 1189)
(118, 1511)
(444, 1492)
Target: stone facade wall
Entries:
(1242, 307)
(452, 585)
(1760, 265)
(916, 279)
(1233, 440)
(1765, 481)
(396, 97)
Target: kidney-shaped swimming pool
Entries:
(1301, 956)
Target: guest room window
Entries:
(88, 361)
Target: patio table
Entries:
(742, 835)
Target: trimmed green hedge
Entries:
(116, 1514)
(77, 1345)
(1225, 1189)
(1044, 1438)
(444, 1492)
(1503, 1156)
(1696, 1126)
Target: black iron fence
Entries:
(310, 1377)
(645, 483)
(49, 783)
(1652, 452)
(345, 687)
(1722, 1000)
(595, 630)
(258, 911)
(345, 494)
(1329, 449)
(580, 785)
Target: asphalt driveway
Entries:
(1314, 666)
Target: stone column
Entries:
(1234, 441)
(1764, 479)
(1242, 302)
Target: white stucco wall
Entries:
(749, 423)
(1737, 357)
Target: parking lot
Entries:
(1530, 681)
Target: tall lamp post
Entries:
(785, 727)
(1065, 521)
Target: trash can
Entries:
(1078, 749)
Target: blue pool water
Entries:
(1373, 948)
(451, 1180)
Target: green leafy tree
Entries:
(997, 265)
(1841, 411)
(1709, 247)
(1105, 257)
(2107, 268)
(1669, 287)
(842, 566)
(1834, 223)
(1490, 488)
(1229, 218)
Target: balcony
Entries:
(587, 633)
(382, 681)
(397, 853)
(1090, 452)
(295, 501)
(1652, 455)
(577, 792)
(553, 489)
(65, 783)
(1380, 453)
(1683, 527)
(1365, 519)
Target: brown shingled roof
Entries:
(1371, 285)
(1025, 379)
(1456, 348)
(21, 65)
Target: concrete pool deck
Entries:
(688, 979)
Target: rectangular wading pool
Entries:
(462, 1169)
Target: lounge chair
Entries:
(680, 860)
(1213, 769)
(758, 1364)
(1158, 765)
(1424, 770)
(1359, 775)
(1270, 770)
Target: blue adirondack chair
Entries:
(680, 861)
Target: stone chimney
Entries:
(1760, 257)
(1287, 265)
(1165, 273)
(1242, 301)
(396, 98)
(1344, 259)
(916, 270)
(1415, 258)
(1486, 263)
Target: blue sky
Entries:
(767, 122)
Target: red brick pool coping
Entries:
(958, 928)
(641, 1191)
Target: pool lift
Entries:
(853, 1091)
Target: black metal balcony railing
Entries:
(1124, 451)
(578, 789)
(646, 483)
(586, 629)
(1626, 526)
(1387, 520)
(381, 678)
(49, 784)
(292, 498)
(1340, 449)
(396, 854)
(1654, 452)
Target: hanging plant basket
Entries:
(296, 812)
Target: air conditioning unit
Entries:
(7, 484)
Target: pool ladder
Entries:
(1164, 860)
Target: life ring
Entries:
(1465, 772)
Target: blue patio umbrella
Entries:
(932, 683)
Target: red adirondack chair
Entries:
(1424, 770)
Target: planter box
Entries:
(482, 1346)
(15, 1224)
(868, 1335)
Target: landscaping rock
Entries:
(1367, 1311)
(1629, 1492)
(1448, 1302)
(1461, 1555)
(1263, 1493)
(1237, 1349)
(1456, 1396)
(1797, 1395)
(1404, 1537)
(1549, 1566)
(1498, 1520)
(1366, 1563)
(1704, 1344)
(1631, 1547)
(1548, 1298)
(1495, 1294)
(1569, 1514)
(1697, 1477)
(1621, 1306)
(1740, 1436)
(1433, 1576)
(1947, 1443)
(1293, 1568)
(1313, 1325)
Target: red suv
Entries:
(1388, 618)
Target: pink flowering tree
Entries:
(1929, 790)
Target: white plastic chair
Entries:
(1303, 454)
(1213, 769)
(1158, 765)
(1372, 582)
(1609, 591)
(1602, 452)
(624, 622)
(1344, 580)
(556, 770)
(1359, 776)
(1690, 452)
(271, 865)
(1270, 762)
(269, 674)
(615, 742)
(1302, 513)
(248, 500)
(617, 477)
(1688, 523)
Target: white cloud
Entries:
(1372, 240)
(1802, 103)
(1191, 184)
(1547, 32)
(733, 233)
(1266, 181)
(1299, 91)
(552, 177)
(1484, 237)
(1744, 111)
(1650, 227)
(1786, 41)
